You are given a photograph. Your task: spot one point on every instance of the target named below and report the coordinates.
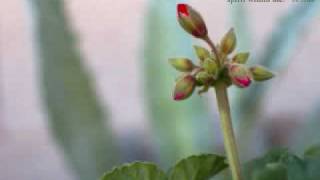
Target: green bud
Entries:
(239, 75)
(211, 66)
(260, 73)
(191, 21)
(182, 64)
(203, 77)
(184, 88)
(201, 52)
(241, 58)
(229, 41)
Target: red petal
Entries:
(179, 96)
(245, 82)
(182, 9)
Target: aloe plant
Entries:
(75, 115)
(178, 130)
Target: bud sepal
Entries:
(211, 66)
(241, 58)
(182, 64)
(204, 78)
(201, 52)
(260, 73)
(229, 42)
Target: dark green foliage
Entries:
(282, 165)
(200, 167)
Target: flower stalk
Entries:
(227, 129)
(230, 145)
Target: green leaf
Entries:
(313, 166)
(200, 167)
(274, 171)
(313, 151)
(136, 171)
(282, 165)
(75, 115)
(264, 167)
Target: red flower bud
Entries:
(184, 88)
(191, 21)
(240, 75)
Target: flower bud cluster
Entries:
(213, 67)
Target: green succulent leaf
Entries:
(136, 171)
(178, 129)
(200, 167)
(75, 114)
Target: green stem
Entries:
(226, 125)
(214, 49)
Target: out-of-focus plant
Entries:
(75, 116)
(182, 129)
(308, 131)
(281, 44)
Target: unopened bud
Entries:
(182, 64)
(211, 66)
(241, 58)
(204, 77)
(239, 75)
(184, 88)
(260, 73)
(229, 41)
(201, 52)
(191, 21)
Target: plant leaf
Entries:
(279, 164)
(75, 116)
(312, 151)
(200, 167)
(136, 171)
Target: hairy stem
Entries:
(226, 125)
(213, 48)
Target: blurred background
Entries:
(85, 85)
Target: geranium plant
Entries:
(219, 68)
